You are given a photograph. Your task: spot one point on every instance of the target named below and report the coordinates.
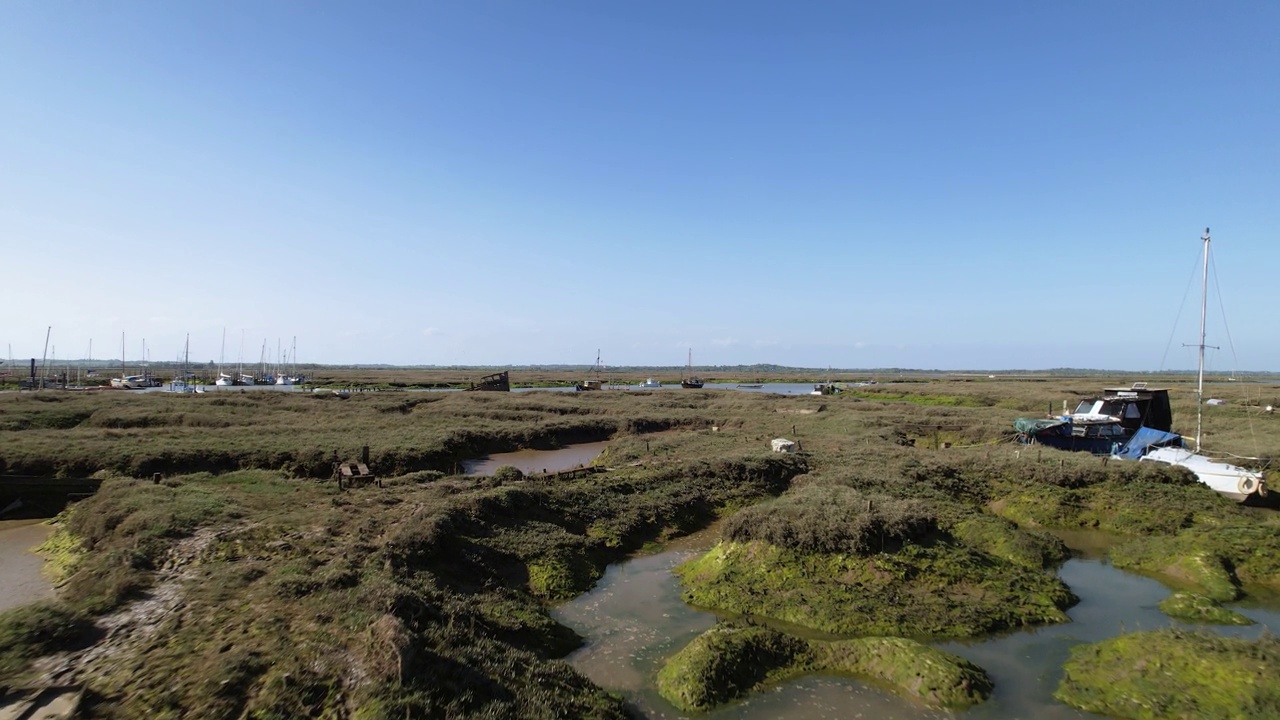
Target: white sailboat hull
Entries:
(1235, 482)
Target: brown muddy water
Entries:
(537, 461)
(634, 619)
(21, 581)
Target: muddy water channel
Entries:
(634, 619)
(20, 578)
(537, 461)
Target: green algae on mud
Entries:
(838, 561)
(1218, 561)
(731, 660)
(1174, 674)
(1194, 608)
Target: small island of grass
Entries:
(729, 661)
(836, 560)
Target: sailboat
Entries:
(1235, 482)
(183, 384)
(593, 383)
(690, 380)
(224, 380)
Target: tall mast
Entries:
(1204, 297)
(44, 361)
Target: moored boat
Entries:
(690, 381)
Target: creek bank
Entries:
(1174, 673)
(731, 660)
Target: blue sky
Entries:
(923, 184)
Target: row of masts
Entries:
(286, 364)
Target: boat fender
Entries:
(1262, 489)
(1247, 485)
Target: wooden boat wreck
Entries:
(497, 382)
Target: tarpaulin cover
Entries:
(1145, 438)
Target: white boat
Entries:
(224, 380)
(131, 382)
(1235, 482)
(650, 383)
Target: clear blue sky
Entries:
(920, 184)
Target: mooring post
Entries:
(364, 454)
(155, 478)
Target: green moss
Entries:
(561, 575)
(1174, 673)
(727, 662)
(62, 551)
(1006, 540)
(908, 667)
(1195, 608)
(730, 661)
(943, 590)
(1215, 561)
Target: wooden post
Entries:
(155, 478)
(364, 454)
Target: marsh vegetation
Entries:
(253, 586)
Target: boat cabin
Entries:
(1101, 425)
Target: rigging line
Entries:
(1217, 289)
(1235, 361)
(1174, 331)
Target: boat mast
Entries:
(1204, 296)
(44, 361)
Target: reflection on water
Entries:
(537, 461)
(634, 619)
(20, 578)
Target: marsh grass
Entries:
(427, 597)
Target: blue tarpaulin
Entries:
(1147, 438)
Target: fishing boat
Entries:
(690, 380)
(1237, 483)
